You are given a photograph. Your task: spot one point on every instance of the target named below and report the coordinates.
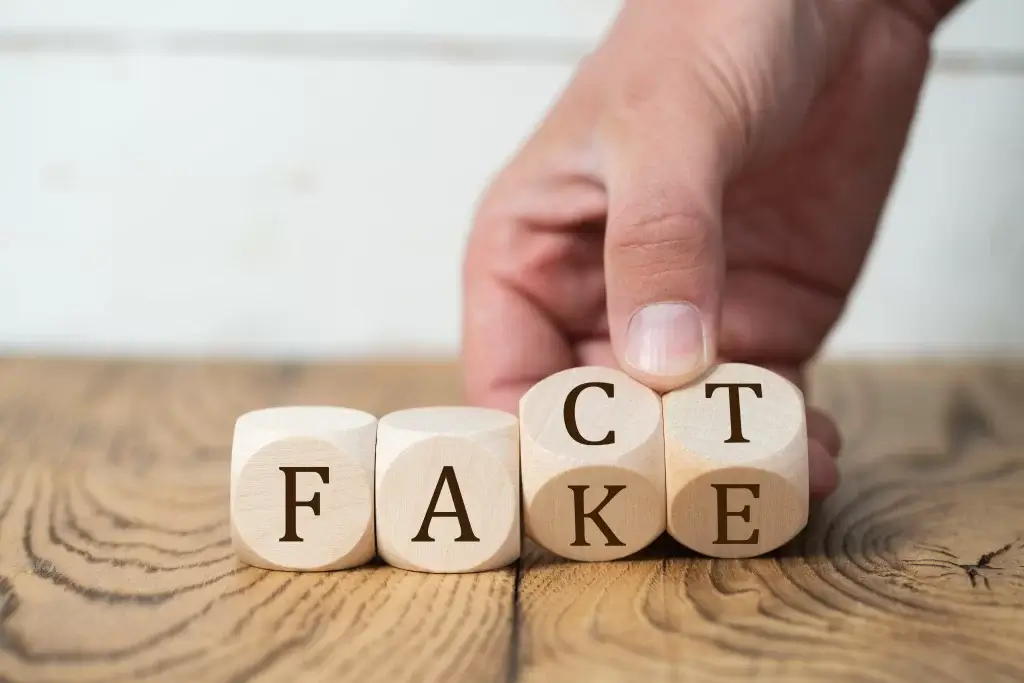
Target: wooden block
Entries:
(302, 488)
(736, 462)
(593, 468)
(448, 489)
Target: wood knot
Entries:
(991, 564)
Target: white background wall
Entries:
(263, 177)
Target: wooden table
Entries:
(115, 563)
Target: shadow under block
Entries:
(448, 489)
(302, 488)
(593, 468)
(736, 462)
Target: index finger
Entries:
(509, 344)
(533, 286)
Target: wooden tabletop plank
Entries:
(115, 563)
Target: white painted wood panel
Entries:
(984, 26)
(305, 207)
(553, 19)
(980, 26)
(947, 272)
(246, 205)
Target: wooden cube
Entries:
(448, 489)
(593, 465)
(302, 488)
(736, 462)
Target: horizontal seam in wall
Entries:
(954, 61)
(380, 46)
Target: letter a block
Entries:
(448, 489)
(302, 488)
(593, 466)
(736, 462)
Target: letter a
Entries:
(447, 477)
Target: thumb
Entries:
(664, 256)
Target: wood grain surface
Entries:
(115, 563)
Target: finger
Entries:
(509, 344)
(822, 429)
(822, 471)
(820, 426)
(782, 321)
(664, 261)
(669, 145)
(596, 352)
(823, 441)
(532, 283)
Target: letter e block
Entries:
(736, 462)
(593, 467)
(302, 488)
(448, 489)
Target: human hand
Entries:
(705, 190)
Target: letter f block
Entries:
(302, 488)
(593, 469)
(736, 462)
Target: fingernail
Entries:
(666, 339)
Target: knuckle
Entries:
(664, 241)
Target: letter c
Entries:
(570, 413)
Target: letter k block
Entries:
(448, 489)
(593, 469)
(736, 462)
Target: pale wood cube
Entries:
(736, 462)
(448, 489)
(302, 488)
(593, 464)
